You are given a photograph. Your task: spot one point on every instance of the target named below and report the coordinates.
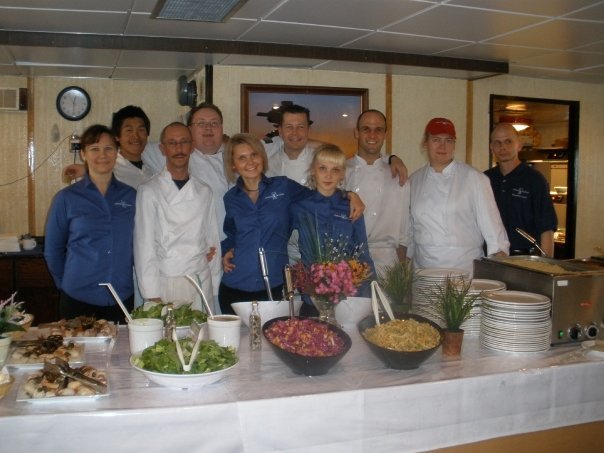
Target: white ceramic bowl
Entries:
(182, 380)
(269, 309)
(352, 309)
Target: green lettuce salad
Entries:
(162, 357)
(183, 314)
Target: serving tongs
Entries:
(289, 289)
(264, 269)
(531, 239)
(377, 297)
(201, 294)
(198, 335)
(59, 366)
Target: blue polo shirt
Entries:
(89, 241)
(266, 223)
(524, 202)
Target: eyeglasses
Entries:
(440, 140)
(211, 124)
(173, 143)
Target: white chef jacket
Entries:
(386, 207)
(208, 168)
(452, 214)
(153, 157)
(279, 164)
(130, 174)
(174, 229)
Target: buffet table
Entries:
(261, 405)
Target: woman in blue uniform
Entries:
(89, 234)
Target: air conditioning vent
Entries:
(13, 99)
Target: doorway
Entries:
(549, 131)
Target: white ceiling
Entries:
(560, 39)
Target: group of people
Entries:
(201, 204)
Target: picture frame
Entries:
(333, 111)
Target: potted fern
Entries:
(453, 303)
(396, 280)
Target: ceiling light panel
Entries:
(196, 10)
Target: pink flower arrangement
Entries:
(331, 281)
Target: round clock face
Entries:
(73, 103)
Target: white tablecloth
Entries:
(360, 406)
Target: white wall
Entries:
(414, 101)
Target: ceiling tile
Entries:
(143, 25)
(564, 60)
(345, 13)
(75, 5)
(551, 8)
(397, 42)
(556, 34)
(595, 12)
(256, 9)
(493, 52)
(146, 74)
(186, 61)
(577, 76)
(60, 21)
(76, 56)
(462, 23)
(279, 32)
(597, 47)
(65, 71)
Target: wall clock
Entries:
(73, 103)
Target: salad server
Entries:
(199, 336)
(289, 289)
(264, 268)
(531, 239)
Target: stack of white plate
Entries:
(425, 290)
(479, 287)
(516, 321)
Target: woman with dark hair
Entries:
(89, 234)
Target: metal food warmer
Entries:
(575, 287)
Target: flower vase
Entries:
(326, 309)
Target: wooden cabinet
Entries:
(27, 273)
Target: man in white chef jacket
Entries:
(368, 174)
(176, 230)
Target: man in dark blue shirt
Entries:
(522, 194)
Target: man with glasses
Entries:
(386, 202)
(452, 209)
(176, 231)
(521, 193)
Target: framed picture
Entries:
(333, 111)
